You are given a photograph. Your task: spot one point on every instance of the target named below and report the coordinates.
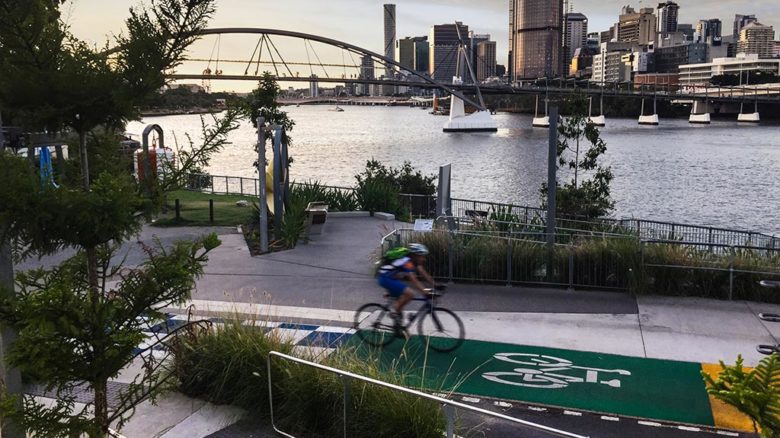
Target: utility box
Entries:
(316, 215)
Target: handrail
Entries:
(447, 404)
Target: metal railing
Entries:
(424, 206)
(580, 259)
(448, 406)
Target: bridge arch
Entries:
(426, 80)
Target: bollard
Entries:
(178, 209)
(571, 271)
(211, 211)
(509, 262)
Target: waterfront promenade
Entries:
(661, 341)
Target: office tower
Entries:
(389, 44)
(389, 33)
(443, 44)
(535, 38)
(576, 36)
(404, 52)
(667, 17)
(366, 72)
(472, 52)
(709, 31)
(636, 27)
(755, 38)
(486, 60)
(741, 21)
(421, 53)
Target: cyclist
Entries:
(407, 268)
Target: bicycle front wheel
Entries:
(441, 330)
(374, 325)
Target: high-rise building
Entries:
(576, 35)
(535, 38)
(443, 44)
(636, 27)
(472, 49)
(709, 31)
(421, 50)
(755, 38)
(486, 60)
(667, 17)
(366, 72)
(404, 52)
(741, 21)
(389, 43)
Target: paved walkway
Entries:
(324, 281)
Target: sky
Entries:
(360, 22)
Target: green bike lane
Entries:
(630, 386)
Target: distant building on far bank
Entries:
(757, 39)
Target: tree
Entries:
(264, 102)
(579, 149)
(51, 81)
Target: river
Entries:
(723, 174)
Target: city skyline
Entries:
(94, 20)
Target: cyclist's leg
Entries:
(396, 289)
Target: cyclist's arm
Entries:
(414, 281)
(425, 275)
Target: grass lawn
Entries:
(194, 209)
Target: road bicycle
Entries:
(441, 329)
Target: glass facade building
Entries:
(535, 38)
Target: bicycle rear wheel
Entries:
(442, 330)
(374, 325)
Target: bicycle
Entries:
(442, 328)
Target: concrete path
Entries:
(327, 279)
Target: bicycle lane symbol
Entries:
(542, 371)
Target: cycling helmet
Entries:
(418, 249)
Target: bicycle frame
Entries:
(423, 310)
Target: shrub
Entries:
(377, 195)
(229, 365)
(756, 393)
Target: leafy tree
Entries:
(263, 101)
(51, 81)
(579, 149)
(756, 393)
(405, 179)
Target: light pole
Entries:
(262, 186)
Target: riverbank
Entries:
(162, 112)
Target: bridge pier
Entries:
(697, 117)
(650, 119)
(744, 117)
(598, 120)
(540, 122)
